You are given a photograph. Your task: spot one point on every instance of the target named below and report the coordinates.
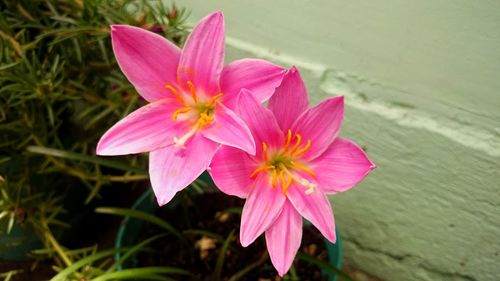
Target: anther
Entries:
(264, 151)
(260, 169)
(176, 94)
(303, 168)
(180, 111)
(297, 143)
(214, 99)
(302, 150)
(288, 139)
(192, 90)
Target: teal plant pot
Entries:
(130, 229)
(17, 245)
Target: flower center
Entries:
(196, 108)
(284, 164)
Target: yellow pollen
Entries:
(180, 111)
(214, 99)
(303, 168)
(302, 150)
(260, 169)
(176, 94)
(288, 140)
(205, 119)
(192, 90)
(297, 143)
(264, 151)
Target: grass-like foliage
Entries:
(60, 89)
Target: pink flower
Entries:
(190, 94)
(299, 160)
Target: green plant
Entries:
(60, 88)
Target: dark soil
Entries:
(220, 215)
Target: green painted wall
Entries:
(422, 87)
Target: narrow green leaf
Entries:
(132, 251)
(240, 274)
(11, 223)
(143, 216)
(9, 65)
(80, 263)
(140, 273)
(85, 158)
(216, 276)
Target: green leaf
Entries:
(140, 273)
(9, 65)
(143, 216)
(216, 276)
(62, 276)
(85, 158)
(240, 274)
(132, 251)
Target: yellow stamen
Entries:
(303, 168)
(214, 99)
(260, 169)
(286, 185)
(180, 111)
(297, 143)
(179, 142)
(282, 178)
(206, 117)
(176, 94)
(192, 90)
(302, 150)
(288, 140)
(264, 151)
(274, 178)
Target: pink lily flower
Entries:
(299, 160)
(190, 94)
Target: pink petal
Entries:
(148, 128)
(202, 58)
(320, 124)
(229, 129)
(260, 120)
(147, 59)
(230, 169)
(289, 100)
(315, 207)
(262, 207)
(283, 238)
(258, 76)
(173, 168)
(341, 166)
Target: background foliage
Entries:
(60, 89)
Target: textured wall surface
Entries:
(422, 86)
